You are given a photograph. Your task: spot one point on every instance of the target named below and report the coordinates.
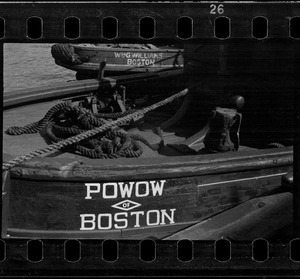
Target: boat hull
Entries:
(50, 198)
(124, 60)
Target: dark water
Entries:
(31, 65)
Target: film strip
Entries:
(204, 204)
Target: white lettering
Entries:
(165, 214)
(117, 54)
(137, 217)
(120, 220)
(84, 221)
(109, 221)
(158, 187)
(137, 187)
(125, 189)
(157, 218)
(124, 214)
(89, 190)
(140, 62)
(122, 54)
(125, 204)
(115, 190)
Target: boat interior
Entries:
(199, 122)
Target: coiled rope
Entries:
(66, 54)
(121, 142)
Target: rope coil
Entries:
(66, 54)
(127, 149)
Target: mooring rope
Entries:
(90, 133)
(66, 54)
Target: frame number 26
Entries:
(216, 9)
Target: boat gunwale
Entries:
(68, 169)
(108, 49)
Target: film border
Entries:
(53, 14)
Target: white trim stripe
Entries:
(242, 179)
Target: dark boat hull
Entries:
(50, 198)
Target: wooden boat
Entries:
(120, 58)
(160, 193)
(200, 165)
